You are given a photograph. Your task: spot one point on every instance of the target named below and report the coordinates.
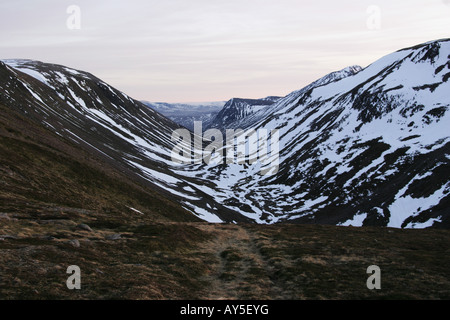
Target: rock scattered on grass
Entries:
(75, 243)
(115, 236)
(85, 227)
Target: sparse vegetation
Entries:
(196, 260)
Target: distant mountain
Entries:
(186, 113)
(244, 113)
(237, 109)
(126, 134)
(357, 147)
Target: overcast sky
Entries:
(213, 50)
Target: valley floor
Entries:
(196, 260)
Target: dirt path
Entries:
(240, 272)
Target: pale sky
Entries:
(214, 50)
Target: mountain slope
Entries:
(245, 113)
(371, 148)
(45, 174)
(101, 120)
(237, 109)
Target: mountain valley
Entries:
(361, 178)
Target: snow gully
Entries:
(241, 147)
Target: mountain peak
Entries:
(237, 109)
(337, 75)
(351, 69)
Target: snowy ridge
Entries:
(87, 111)
(349, 146)
(237, 110)
(244, 113)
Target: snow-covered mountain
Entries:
(369, 148)
(238, 109)
(245, 113)
(357, 147)
(186, 113)
(127, 134)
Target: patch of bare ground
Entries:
(239, 271)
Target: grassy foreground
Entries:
(195, 260)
